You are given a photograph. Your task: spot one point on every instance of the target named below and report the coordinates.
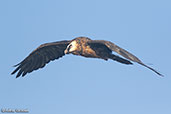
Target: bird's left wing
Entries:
(121, 52)
(40, 57)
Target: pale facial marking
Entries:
(73, 45)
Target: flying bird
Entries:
(81, 46)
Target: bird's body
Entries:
(81, 46)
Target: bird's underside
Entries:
(81, 46)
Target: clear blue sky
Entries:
(77, 85)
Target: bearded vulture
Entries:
(82, 46)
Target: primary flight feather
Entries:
(81, 46)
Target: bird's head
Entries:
(72, 47)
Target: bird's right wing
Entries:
(40, 57)
(121, 52)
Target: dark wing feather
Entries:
(105, 53)
(40, 57)
(122, 52)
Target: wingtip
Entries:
(13, 72)
(16, 65)
(161, 75)
(18, 75)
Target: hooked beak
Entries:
(66, 51)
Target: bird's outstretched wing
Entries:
(121, 52)
(40, 57)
